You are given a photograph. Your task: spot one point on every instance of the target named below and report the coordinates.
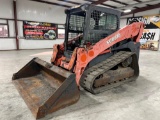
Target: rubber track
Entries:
(89, 76)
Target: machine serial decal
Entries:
(113, 38)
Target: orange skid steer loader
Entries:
(95, 55)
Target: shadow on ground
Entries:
(141, 87)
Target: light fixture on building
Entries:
(127, 11)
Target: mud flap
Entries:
(46, 88)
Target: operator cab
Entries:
(87, 24)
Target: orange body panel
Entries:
(84, 55)
(69, 65)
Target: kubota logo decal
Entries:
(113, 38)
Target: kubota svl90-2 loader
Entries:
(95, 55)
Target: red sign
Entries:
(39, 30)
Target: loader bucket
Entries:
(45, 88)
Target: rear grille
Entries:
(101, 25)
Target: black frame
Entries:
(88, 9)
(102, 9)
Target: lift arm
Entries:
(84, 56)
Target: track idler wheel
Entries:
(127, 62)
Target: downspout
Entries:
(15, 23)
